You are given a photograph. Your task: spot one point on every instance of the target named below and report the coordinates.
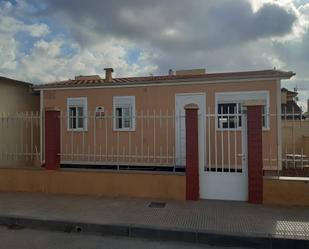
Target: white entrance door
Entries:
(181, 101)
(226, 177)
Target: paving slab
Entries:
(191, 220)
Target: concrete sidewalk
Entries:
(135, 217)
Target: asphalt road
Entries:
(37, 239)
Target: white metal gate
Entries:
(223, 167)
(225, 176)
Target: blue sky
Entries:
(47, 40)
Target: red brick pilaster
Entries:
(192, 162)
(52, 139)
(255, 153)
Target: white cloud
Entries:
(36, 30)
(219, 35)
(8, 50)
(10, 25)
(45, 63)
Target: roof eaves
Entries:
(17, 81)
(207, 78)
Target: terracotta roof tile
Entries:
(168, 78)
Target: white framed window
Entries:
(265, 117)
(77, 114)
(124, 113)
(229, 107)
(229, 115)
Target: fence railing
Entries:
(295, 141)
(157, 138)
(224, 141)
(150, 141)
(294, 145)
(20, 138)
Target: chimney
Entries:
(170, 72)
(109, 74)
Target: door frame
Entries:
(201, 125)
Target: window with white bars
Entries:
(229, 108)
(230, 116)
(77, 114)
(124, 113)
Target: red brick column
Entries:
(255, 153)
(192, 162)
(52, 139)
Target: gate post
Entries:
(192, 158)
(52, 139)
(255, 151)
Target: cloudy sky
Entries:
(46, 40)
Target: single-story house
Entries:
(139, 123)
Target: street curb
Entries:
(155, 233)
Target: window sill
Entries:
(123, 130)
(77, 130)
(239, 129)
(228, 129)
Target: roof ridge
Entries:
(160, 78)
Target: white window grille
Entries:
(229, 106)
(229, 115)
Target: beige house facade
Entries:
(139, 122)
(158, 96)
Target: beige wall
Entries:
(162, 98)
(286, 192)
(295, 136)
(131, 184)
(306, 144)
(110, 184)
(18, 136)
(16, 96)
(20, 141)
